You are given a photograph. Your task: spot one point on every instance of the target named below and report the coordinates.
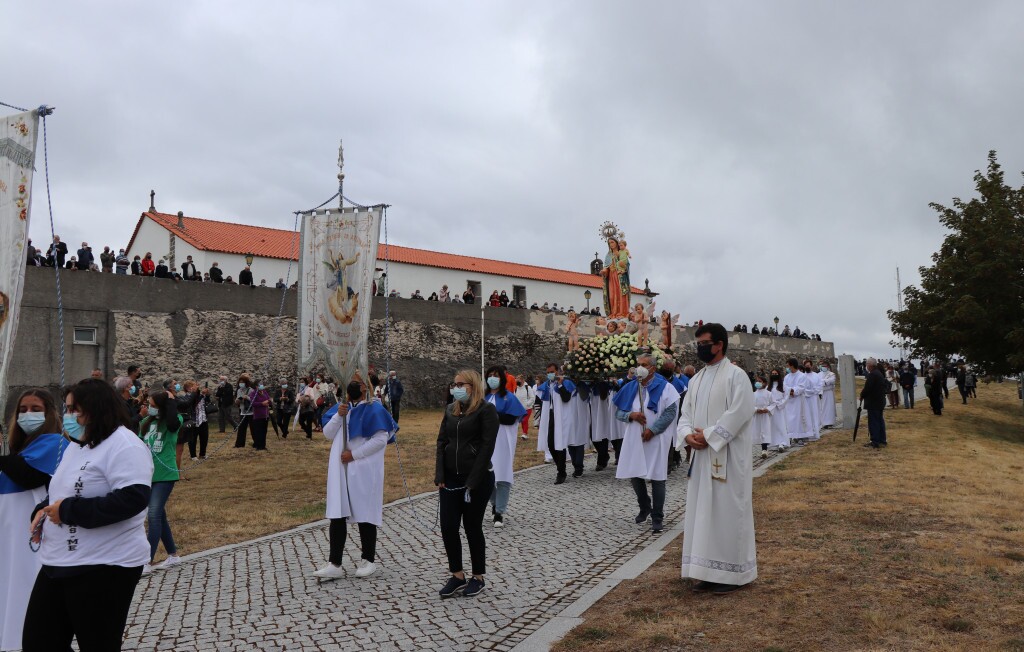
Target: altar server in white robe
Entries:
(648, 406)
(510, 413)
(797, 423)
(828, 396)
(761, 424)
(355, 476)
(556, 417)
(618, 428)
(780, 433)
(603, 420)
(35, 447)
(718, 539)
(579, 436)
(814, 399)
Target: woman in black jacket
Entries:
(464, 478)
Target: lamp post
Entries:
(587, 295)
(248, 258)
(776, 325)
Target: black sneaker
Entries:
(577, 473)
(642, 516)
(453, 586)
(724, 589)
(657, 526)
(560, 478)
(474, 587)
(600, 467)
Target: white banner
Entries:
(337, 260)
(17, 157)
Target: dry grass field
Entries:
(919, 546)
(240, 494)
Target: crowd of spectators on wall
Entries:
(770, 330)
(84, 260)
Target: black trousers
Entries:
(576, 455)
(91, 607)
(203, 435)
(602, 452)
(338, 532)
(455, 510)
(396, 404)
(224, 416)
(617, 445)
(963, 393)
(306, 423)
(283, 421)
(559, 456)
(259, 433)
(243, 429)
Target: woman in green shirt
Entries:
(159, 429)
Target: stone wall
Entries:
(191, 330)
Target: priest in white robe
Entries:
(813, 397)
(718, 539)
(648, 406)
(828, 396)
(557, 417)
(359, 432)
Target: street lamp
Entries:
(776, 325)
(587, 295)
(248, 258)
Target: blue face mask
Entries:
(241, 385)
(75, 431)
(493, 382)
(551, 376)
(460, 394)
(153, 412)
(758, 385)
(261, 388)
(132, 390)
(177, 387)
(31, 422)
(284, 386)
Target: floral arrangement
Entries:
(606, 356)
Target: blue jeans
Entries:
(159, 527)
(657, 509)
(499, 499)
(876, 427)
(908, 398)
(121, 271)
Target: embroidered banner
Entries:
(337, 260)
(17, 157)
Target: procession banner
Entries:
(337, 260)
(17, 157)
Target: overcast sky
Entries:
(763, 158)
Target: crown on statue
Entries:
(610, 230)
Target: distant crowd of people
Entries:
(84, 261)
(769, 330)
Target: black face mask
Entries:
(666, 374)
(704, 353)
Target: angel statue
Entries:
(642, 319)
(667, 322)
(571, 327)
(344, 302)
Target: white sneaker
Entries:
(365, 568)
(195, 459)
(330, 571)
(170, 562)
(764, 455)
(147, 569)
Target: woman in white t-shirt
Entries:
(91, 527)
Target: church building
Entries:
(268, 253)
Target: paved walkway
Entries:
(558, 543)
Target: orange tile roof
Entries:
(241, 239)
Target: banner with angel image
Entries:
(337, 260)
(18, 134)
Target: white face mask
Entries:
(641, 372)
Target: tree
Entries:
(971, 300)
